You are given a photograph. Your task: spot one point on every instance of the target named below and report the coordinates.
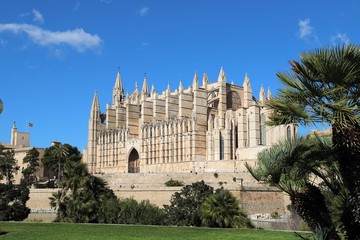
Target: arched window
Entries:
(262, 129)
(233, 100)
(288, 133)
(134, 162)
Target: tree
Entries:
(13, 197)
(184, 209)
(293, 166)
(57, 155)
(82, 195)
(7, 164)
(32, 161)
(145, 213)
(324, 87)
(222, 209)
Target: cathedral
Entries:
(206, 127)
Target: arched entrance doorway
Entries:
(134, 162)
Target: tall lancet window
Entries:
(221, 146)
(262, 129)
(248, 132)
(236, 138)
(288, 133)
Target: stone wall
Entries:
(254, 197)
(39, 198)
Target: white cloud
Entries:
(143, 11)
(304, 28)
(77, 38)
(37, 16)
(340, 37)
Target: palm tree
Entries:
(324, 88)
(81, 195)
(222, 209)
(59, 152)
(74, 176)
(293, 166)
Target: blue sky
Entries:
(55, 54)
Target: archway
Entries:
(134, 162)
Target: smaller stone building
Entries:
(20, 144)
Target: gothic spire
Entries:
(168, 90)
(262, 94)
(247, 82)
(152, 90)
(247, 92)
(205, 80)
(118, 91)
(195, 84)
(95, 108)
(181, 88)
(222, 77)
(268, 94)
(145, 89)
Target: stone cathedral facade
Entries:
(207, 127)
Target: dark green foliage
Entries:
(310, 205)
(57, 155)
(32, 159)
(82, 195)
(291, 166)
(223, 210)
(12, 205)
(174, 183)
(7, 164)
(13, 197)
(184, 209)
(85, 198)
(109, 211)
(129, 211)
(324, 87)
(145, 213)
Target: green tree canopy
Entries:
(222, 209)
(301, 168)
(184, 208)
(13, 197)
(8, 165)
(323, 87)
(81, 196)
(57, 155)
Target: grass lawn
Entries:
(61, 231)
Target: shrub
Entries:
(174, 183)
(185, 205)
(145, 213)
(222, 209)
